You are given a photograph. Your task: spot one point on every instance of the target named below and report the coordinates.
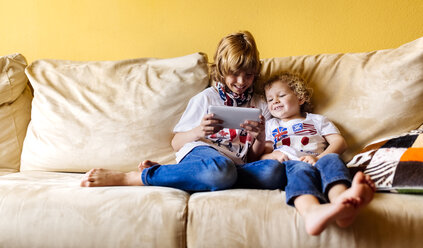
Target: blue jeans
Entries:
(303, 178)
(206, 169)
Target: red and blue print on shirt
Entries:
(279, 133)
(304, 129)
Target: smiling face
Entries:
(236, 62)
(239, 82)
(282, 102)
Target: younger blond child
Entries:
(308, 145)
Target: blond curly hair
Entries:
(297, 84)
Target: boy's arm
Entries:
(269, 153)
(257, 132)
(268, 148)
(257, 150)
(180, 139)
(337, 144)
(209, 125)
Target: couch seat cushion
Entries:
(260, 218)
(47, 209)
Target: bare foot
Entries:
(318, 217)
(362, 188)
(146, 164)
(103, 177)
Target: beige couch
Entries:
(113, 114)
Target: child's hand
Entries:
(209, 125)
(309, 159)
(280, 156)
(276, 155)
(255, 128)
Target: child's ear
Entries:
(301, 101)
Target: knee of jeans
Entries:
(330, 156)
(298, 167)
(222, 175)
(329, 160)
(273, 175)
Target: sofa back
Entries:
(114, 114)
(108, 114)
(369, 96)
(15, 109)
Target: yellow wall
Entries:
(120, 29)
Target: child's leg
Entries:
(302, 179)
(334, 175)
(317, 216)
(304, 191)
(202, 169)
(104, 177)
(261, 174)
(362, 190)
(335, 180)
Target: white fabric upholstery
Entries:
(261, 218)
(47, 209)
(15, 110)
(109, 114)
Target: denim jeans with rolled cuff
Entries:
(306, 179)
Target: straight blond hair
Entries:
(235, 52)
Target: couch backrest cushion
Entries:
(15, 110)
(367, 95)
(109, 114)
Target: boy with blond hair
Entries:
(209, 156)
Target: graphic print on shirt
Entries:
(220, 138)
(227, 138)
(300, 137)
(304, 129)
(278, 134)
(244, 136)
(297, 137)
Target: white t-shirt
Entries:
(233, 143)
(297, 138)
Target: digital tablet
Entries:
(233, 117)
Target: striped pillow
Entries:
(395, 164)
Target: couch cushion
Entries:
(394, 163)
(47, 209)
(12, 77)
(367, 95)
(2, 172)
(109, 114)
(260, 218)
(15, 110)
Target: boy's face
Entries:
(239, 82)
(282, 102)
